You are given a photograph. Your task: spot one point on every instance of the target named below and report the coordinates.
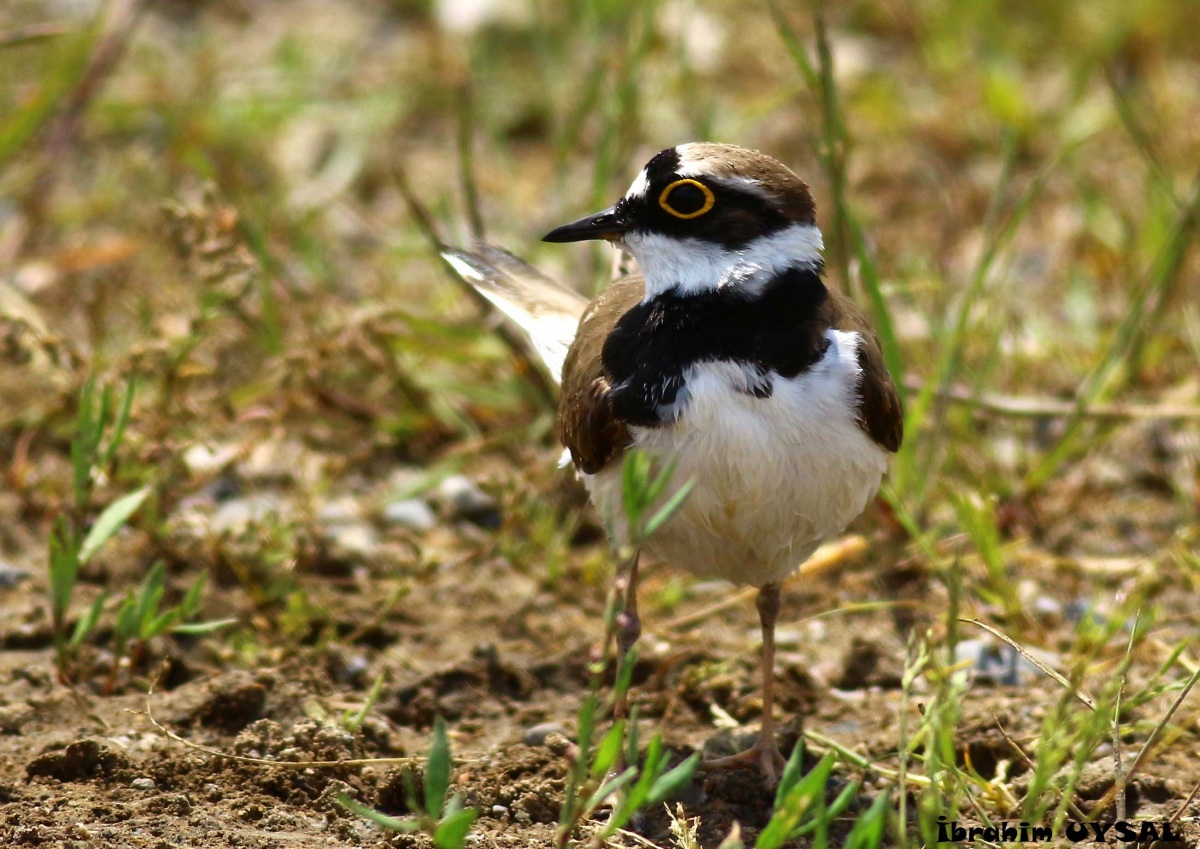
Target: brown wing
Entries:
(880, 411)
(586, 424)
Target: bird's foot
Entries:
(764, 754)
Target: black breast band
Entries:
(776, 331)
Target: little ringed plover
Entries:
(728, 356)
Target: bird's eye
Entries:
(687, 199)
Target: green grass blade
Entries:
(119, 426)
(149, 598)
(111, 520)
(651, 765)
(437, 769)
(608, 751)
(64, 568)
(612, 785)
(1141, 320)
(451, 833)
(672, 782)
(199, 629)
(191, 600)
(793, 770)
(127, 620)
(83, 444)
(380, 819)
(88, 621)
(355, 720)
(669, 509)
(23, 125)
(867, 832)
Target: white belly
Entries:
(774, 477)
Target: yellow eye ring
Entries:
(709, 199)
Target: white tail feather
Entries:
(546, 312)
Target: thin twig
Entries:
(466, 160)
(823, 742)
(1021, 650)
(106, 54)
(1116, 721)
(517, 345)
(1137, 133)
(637, 838)
(1183, 807)
(32, 33)
(1028, 407)
(1123, 780)
(1116, 744)
(1171, 276)
(826, 557)
(1071, 806)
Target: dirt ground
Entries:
(502, 657)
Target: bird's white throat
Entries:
(694, 266)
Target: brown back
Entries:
(586, 424)
(880, 411)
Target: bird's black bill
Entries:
(608, 224)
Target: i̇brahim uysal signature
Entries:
(1126, 831)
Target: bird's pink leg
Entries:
(765, 752)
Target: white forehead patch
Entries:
(692, 163)
(640, 185)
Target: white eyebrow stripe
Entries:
(746, 185)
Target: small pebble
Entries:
(33, 277)
(537, 735)
(13, 716)
(236, 515)
(223, 488)
(728, 741)
(411, 513)
(972, 651)
(340, 511)
(208, 459)
(10, 575)
(787, 637)
(277, 462)
(466, 500)
(995, 663)
(1079, 609)
(355, 542)
(349, 669)
(1047, 609)
(499, 811)
(143, 784)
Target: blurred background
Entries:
(205, 200)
